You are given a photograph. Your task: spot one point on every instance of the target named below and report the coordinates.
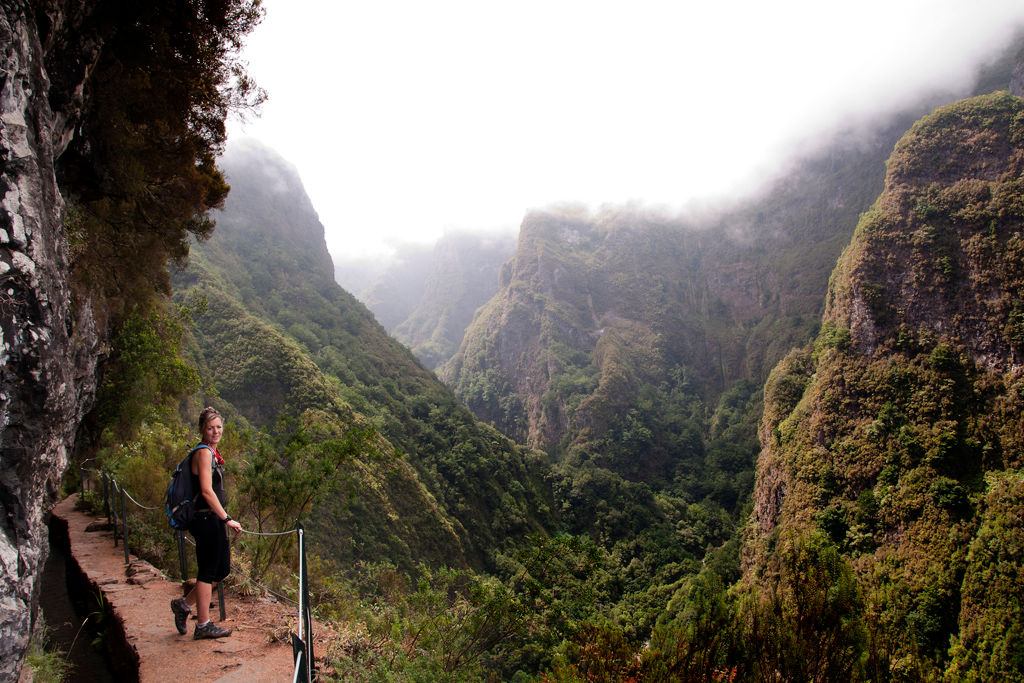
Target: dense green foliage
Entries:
(146, 372)
(438, 625)
(885, 537)
(140, 173)
(897, 434)
(990, 646)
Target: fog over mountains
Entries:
(773, 437)
(707, 398)
(458, 116)
(425, 295)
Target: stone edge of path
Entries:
(141, 640)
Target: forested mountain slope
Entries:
(427, 295)
(618, 323)
(463, 276)
(279, 338)
(614, 336)
(897, 435)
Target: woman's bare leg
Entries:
(203, 591)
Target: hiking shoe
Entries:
(210, 630)
(181, 611)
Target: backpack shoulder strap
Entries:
(200, 446)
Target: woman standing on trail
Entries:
(208, 528)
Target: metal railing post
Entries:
(305, 614)
(124, 523)
(113, 508)
(182, 556)
(302, 596)
(220, 598)
(301, 670)
(82, 471)
(106, 500)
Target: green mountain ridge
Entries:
(594, 309)
(737, 289)
(280, 338)
(896, 435)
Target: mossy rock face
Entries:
(597, 314)
(941, 250)
(900, 439)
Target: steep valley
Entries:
(281, 339)
(781, 440)
(630, 350)
(426, 296)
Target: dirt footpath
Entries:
(141, 630)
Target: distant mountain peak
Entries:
(268, 206)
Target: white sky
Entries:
(406, 119)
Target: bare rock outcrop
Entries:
(48, 339)
(1017, 80)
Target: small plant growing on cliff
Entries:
(47, 665)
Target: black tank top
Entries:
(218, 485)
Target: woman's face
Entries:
(212, 431)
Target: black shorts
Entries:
(213, 551)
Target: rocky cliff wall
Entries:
(935, 265)
(896, 436)
(594, 309)
(49, 343)
(1017, 79)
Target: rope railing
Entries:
(253, 581)
(144, 507)
(269, 533)
(302, 644)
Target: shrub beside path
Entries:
(140, 626)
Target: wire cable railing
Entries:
(235, 569)
(114, 493)
(144, 507)
(269, 533)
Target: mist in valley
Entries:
(463, 119)
(654, 342)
